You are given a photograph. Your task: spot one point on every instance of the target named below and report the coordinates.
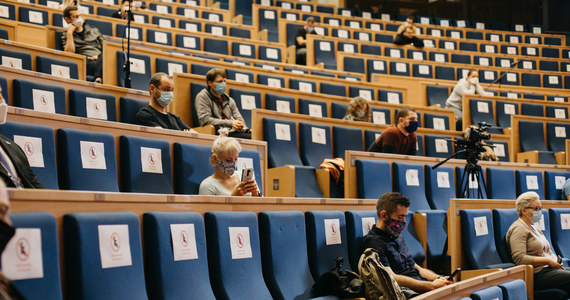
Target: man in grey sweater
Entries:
(214, 107)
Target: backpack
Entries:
(379, 284)
(336, 169)
(343, 284)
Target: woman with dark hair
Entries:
(358, 110)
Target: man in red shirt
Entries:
(401, 137)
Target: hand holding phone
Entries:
(455, 273)
(246, 174)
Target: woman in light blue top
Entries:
(225, 181)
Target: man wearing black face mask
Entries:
(7, 289)
(401, 137)
(385, 238)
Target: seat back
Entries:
(513, 290)
(533, 139)
(437, 95)
(559, 222)
(315, 143)
(440, 186)
(478, 238)
(357, 91)
(503, 218)
(267, 53)
(438, 146)
(284, 254)
(175, 248)
(436, 121)
(326, 240)
(38, 232)
(501, 183)
(333, 89)
(504, 112)
(358, 224)
(34, 16)
(552, 81)
(93, 105)
(280, 103)
(366, 172)
(129, 108)
(191, 167)
(380, 115)
(346, 138)
(338, 110)
(325, 53)
(83, 155)
(10, 11)
(110, 269)
(234, 254)
(557, 112)
(553, 182)
(530, 109)
(243, 50)
(38, 96)
(481, 111)
(145, 165)
(246, 101)
(140, 70)
(530, 181)
(56, 67)
(556, 134)
(302, 85)
(38, 144)
(408, 179)
(490, 293)
(188, 42)
(281, 138)
(171, 66)
(313, 108)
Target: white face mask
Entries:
(474, 80)
(78, 22)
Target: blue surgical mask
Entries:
(165, 98)
(361, 114)
(412, 127)
(310, 29)
(536, 215)
(228, 168)
(220, 88)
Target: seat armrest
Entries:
(281, 182)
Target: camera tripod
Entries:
(471, 173)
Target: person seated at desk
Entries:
(161, 89)
(465, 86)
(215, 107)
(407, 37)
(566, 190)
(401, 137)
(225, 181)
(358, 110)
(123, 12)
(409, 23)
(83, 39)
(301, 41)
(528, 246)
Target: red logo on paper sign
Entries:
(23, 249)
(43, 100)
(115, 242)
(369, 226)
(93, 152)
(240, 240)
(184, 238)
(29, 149)
(151, 159)
(333, 229)
(96, 107)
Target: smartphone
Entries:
(246, 174)
(559, 260)
(455, 273)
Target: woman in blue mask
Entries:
(528, 246)
(358, 110)
(225, 180)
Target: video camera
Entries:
(473, 144)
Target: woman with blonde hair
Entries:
(225, 181)
(528, 246)
(358, 110)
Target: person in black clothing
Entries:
(123, 12)
(301, 40)
(161, 89)
(15, 169)
(408, 37)
(385, 237)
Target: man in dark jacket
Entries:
(408, 37)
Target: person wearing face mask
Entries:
(528, 246)
(123, 12)
(215, 107)
(161, 89)
(15, 169)
(301, 41)
(358, 110)
(225, 181)
(83, 39)
(409, 23)
(408, 37)
(399, 138)
(8, 290)
(465, 86)
(385, 237)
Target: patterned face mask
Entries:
(395, 227)
(227, 168)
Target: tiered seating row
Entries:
(539, 139)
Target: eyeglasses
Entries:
(536, 208)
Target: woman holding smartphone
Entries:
(225, 181)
